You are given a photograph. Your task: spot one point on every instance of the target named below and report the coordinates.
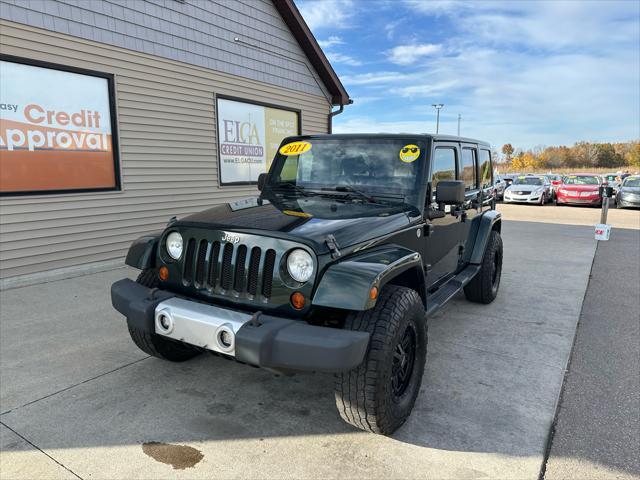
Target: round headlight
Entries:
(174, 245)
(300, 265)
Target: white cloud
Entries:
(372, 78)
(332, 41)
(523, 72)
(334, 14)
(408, 54)
(344, 59)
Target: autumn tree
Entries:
(507, 151)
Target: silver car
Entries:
(529, 189)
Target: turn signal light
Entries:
(373, 293)
(163, 273)
(297, 300)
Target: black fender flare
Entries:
(347, 283)
(142, 252)
(481, 228)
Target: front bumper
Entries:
(574, 200)
(628, 202)
(526, 198)
(270, 342)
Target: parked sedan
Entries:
(556, 181)
(580, 189)
(629, 192)
(499, 185)
(529, 189)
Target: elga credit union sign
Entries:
(249, 136)
(55, 130)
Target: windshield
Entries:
(611, 178)
(582, 180)
(366, 170)
(631, 182)
(528, 181)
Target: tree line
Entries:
(580, 155)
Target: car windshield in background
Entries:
(528, 181)
(581, 180)
(631, 182)
(611, 178)
(368, 169)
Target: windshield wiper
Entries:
(350, 189)
(291, 186)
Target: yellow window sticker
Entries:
(295, 148)
(409, 153)
(293, 213)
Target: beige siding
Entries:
(167, 132)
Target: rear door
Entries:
(487, 184)
(469, 174)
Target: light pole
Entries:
(459, 117)
(437, 106)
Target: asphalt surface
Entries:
(597, 435)
(77, 399)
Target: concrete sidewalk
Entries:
(80, 400)
(597, 435)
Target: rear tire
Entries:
(154, 344)
(483, 288)
(379, 395)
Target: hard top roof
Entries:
(423, 136)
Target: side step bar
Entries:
(443, 294)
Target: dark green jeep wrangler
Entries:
(352, 243)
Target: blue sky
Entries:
(529, 73)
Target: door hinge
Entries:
(332, 243)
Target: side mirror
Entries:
(450, 192)
(262, 178)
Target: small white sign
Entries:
(603, 231)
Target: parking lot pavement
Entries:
(569, 215)
(79, 398)
(597, 434)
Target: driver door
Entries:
(442, 241)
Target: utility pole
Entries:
(437, 106)
(459, 117)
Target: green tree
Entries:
(606, 156)
(632, 157)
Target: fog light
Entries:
(297, 300)
(225, 339)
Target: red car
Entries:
(580, 189)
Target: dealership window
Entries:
(249, 135)
(469, 169)
(57, 130)
(444, 167)
(486, 177)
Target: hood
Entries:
(630, 189)
(524, 188)
(580, 188)
(309, 223)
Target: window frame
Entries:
(491, 179)
(113, 112)
(456, 164)
(474, 149)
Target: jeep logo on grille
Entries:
(231, 237)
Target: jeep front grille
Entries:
(224, 269)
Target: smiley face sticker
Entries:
(409, 153)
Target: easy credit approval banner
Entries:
(55, 130)
(249, 136)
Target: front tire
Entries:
(379, 395)
(154, 344)
(483, 288)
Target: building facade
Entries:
(116, 115)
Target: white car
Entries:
(529, 189)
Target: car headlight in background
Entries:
(300, 265)
(174, 245)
